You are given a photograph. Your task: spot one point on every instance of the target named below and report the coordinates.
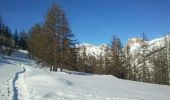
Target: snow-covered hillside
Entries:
(20, 80)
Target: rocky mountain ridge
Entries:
(134, 44)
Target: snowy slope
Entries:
(20, 80)
(63, 86)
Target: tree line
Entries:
(11, 40)
(150, 63)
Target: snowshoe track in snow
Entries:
(15, 88)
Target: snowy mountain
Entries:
(92, 49)
(21, 80)
(134, 44)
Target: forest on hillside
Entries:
(53, 45)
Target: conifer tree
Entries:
(144, 52)
(59, 35)
(117, 58)
(16, 38)
(23, 40)
(54, 41)
(128, 63)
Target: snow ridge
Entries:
(134, 44)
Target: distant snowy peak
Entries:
(86, 45)
(136, 43)
(135, 40)
(92, 49)
(159, 41)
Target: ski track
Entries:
(15, 88)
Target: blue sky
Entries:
(95, 21)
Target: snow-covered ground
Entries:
(20, 80)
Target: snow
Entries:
(7, 72)
(37, 84)
(92, 49)
(136, 43)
